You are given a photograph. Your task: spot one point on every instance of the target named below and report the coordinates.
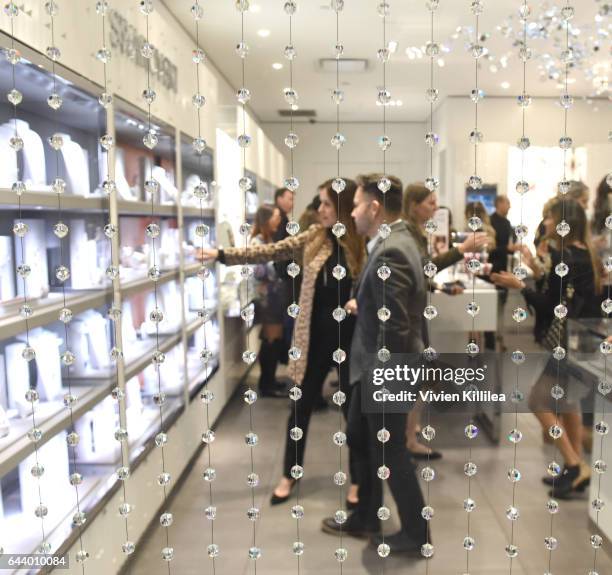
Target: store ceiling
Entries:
(314, 37)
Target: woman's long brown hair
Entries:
(573, 213)
(262, 220)
(352, 243)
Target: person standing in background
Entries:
(269, 309)
(504, 235)
(283, 200)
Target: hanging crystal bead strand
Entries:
(602, 427)
(471, 431)
(202, 193)
(109, 188)
(291, 141)
(156, 315)
(20, 229)
(62, 274)
(383, 272)
(339, 314)
(248, 356)
(561, 269)
(432, 49)
(519, 314)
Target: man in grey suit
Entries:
(389, 320)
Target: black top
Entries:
(281, 267)
(503, 232)
(581, 283)
(326, 285)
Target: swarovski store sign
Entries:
(125, 39)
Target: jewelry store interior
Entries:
(183, 299)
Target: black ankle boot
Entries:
(564, 484)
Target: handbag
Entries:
(556, 335)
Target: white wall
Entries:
(315, 159)
(500, 123)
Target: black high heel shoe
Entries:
(277, 499)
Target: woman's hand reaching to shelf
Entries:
(207, 254)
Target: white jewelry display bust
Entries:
(76, 162)
(35, 255)
(34, 170)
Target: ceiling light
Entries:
(392, 46)
(505, 85)
(441, 62)
(277, 66)
(255, 8)
(263, 33)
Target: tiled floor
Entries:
(276, 530)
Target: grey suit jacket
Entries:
(404, 295)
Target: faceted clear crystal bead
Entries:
(293, 228)
(14, 97)
(432, 183)
(468, 543)
(292, 140)
(430, 269)
(469, 505)
(521, 231)
(383, 314)
(28, 354)
(565, 142)
(522, 187)
(293, 310)
(341, 554)
(291, 96)
(475, 182)
(553, 469)
(339, 355)
(56, 141)
(18, 188)
(384, 272)
(476, 137)
(557, 392)
(384, 231)
(199, 145)
(294, 353)
(212, 550)
(20, 229)
(471, 431)
(340, 478)
(519, 314)
(563, 228)
(384, 184)
(292, 184)
(523, 143)
(297, 512)
(470, 469)
(53, 53)
(431, 139)
(428, 474)
(62, 273)
(339, 229)
(562, 269)
(474, 266)
(293, 270)
(383, 472)
(339, 272)
(297, 471)
(430, 312)
(555, 431)
(559, 353)
(384, 143)
(474, 223)
(560, 311)
(518, 357)
(289, 52)
(511, 550)
(338, 140)
(523, 100)
(147, 50)
(16, 143)
(24, 270)
(431, 226)
(242, 49)
(339, 398)
(339, 438)
(472, 308)
(515, 436)
(249, 357)
(339, 314)
(383, 355)
(251, 439)
(150, 139)
(520, 272)
(338, 185)
(427, 550)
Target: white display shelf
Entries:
(47, 200)
(46, 310)
(51, 418)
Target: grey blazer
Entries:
(405, 297)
